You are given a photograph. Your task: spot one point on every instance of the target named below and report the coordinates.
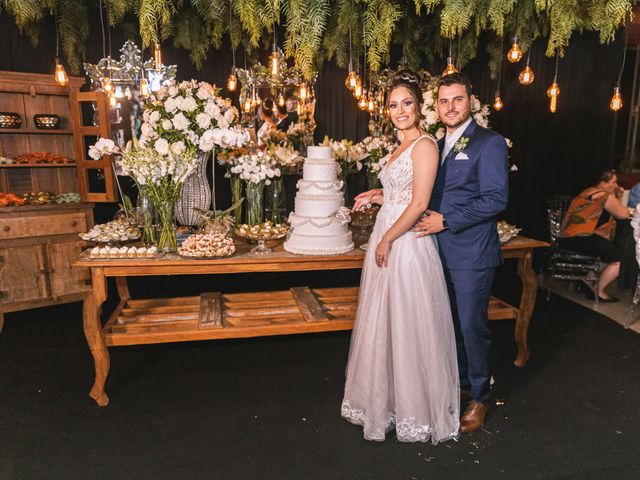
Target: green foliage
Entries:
(379, 21)
(318, 29)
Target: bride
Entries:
(402, 370)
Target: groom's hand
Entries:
(429, 224)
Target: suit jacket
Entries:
(470, 192)
(284, 124)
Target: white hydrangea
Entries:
(180, 122)
(178, 147)
(203, 120)
(162, 146)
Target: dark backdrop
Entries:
(555, 153)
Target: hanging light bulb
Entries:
(352, 80)
(232, 82)
(362, 104)
(247, 106)
(157, 57)
(451, 68)
(127, 92)
(61, 75)
(144, 89)
(371, 104)
(616, 100)
(526, 76)
(497, 103)
(281, 100)
(514, 55)
(552, 92)
(357, 92)
(107, 86)
(274, 63)
(303, 92)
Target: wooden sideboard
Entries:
(215, 315)
(38, 245)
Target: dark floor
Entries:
(269, 408)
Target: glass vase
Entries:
(236, 195)
(146, 217)
(345, 188)
(166, 234)
(275, 208)
(195, 196)
(255, 206)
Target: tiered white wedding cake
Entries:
(319, 224)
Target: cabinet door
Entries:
(22, 274)
(65, 279)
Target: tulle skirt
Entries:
(402, 371)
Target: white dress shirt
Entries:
(451, 138)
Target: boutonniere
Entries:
(461, 144)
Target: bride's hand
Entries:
(382, 253)
(365, 199)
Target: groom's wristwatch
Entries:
(445, 225)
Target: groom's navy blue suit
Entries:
(470, 192)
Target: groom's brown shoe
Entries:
(473, 417)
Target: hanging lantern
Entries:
(107, 85)
(357, 92)
(616, 100)
(232, 83)
(281, 100)
(515, 53)
(497, 103)
(451, 68)
(274, 63)
(552, 92)
(60, 75)
(247, 106)
(157, 57)
(371, 104)
(144, 89)
(127, 92)
(303, 92)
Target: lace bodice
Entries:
(397, 178)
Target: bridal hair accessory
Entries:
(406, 76)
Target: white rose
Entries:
(154, 117)
(212, 109)
(431, 117)
(189, 104)
(180, 122)
(178, 147)
(173, 91)
(203, 120)
(475, 104)
(428, 98)
(148, 131)
(440, 133)
(170, 105)
(203, 93)
(162, 146)
(178, 101)
(167, 125)
(223, 123)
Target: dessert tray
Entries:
(111, 232)
(207, 246)
(261, 233)
(506, 231)
(123, 252)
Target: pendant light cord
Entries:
(624, 54)
(104, 52)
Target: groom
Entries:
(470, 190)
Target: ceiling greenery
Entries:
(313, 31)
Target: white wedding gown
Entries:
(402, 370)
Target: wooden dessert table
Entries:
(215, 315)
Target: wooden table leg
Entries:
(123, 288)
(527, 302)
(94, 335)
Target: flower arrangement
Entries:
(277, 137)
(190, 116)
(286, 158)
(255, 167)
(158, 175)
(379, 150)
(348, 156)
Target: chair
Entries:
(564, 264)
(631, 315)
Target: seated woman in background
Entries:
(590, 223)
